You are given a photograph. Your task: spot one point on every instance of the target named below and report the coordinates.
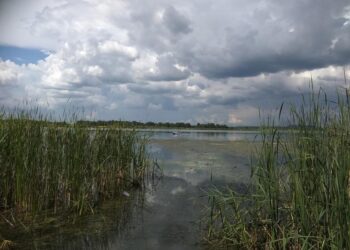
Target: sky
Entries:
(218, 61)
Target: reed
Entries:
(299, 195)
(54, 167)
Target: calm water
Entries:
(212, 135)
(167, 215)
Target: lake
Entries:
(167, 215)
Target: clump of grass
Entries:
(6, 244)
(299, 196)
(63, 167)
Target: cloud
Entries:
(9, 72)
(176, 60)
(117, 49)
(176, 22)
(166, 68)
(233, 119)
(11, 88)
(244, 113)
(93, 70)
(256, 38)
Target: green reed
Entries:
(299, 196)
(60, 167)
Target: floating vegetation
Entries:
(51, 168)
(299, 196)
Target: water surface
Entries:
(192, 134)
(167, 215)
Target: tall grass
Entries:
(299, 197)
(60, 167)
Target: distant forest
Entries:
(178, 125)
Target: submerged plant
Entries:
(299, 196)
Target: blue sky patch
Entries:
(21, 55)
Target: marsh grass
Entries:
(299, 196)
(50, 168)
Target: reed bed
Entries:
(52, 168)
(299, 196)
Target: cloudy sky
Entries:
(156, 60)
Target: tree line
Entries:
(137, 124)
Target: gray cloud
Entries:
(179, 60)
(301, 35)
(175, 21)
(167, 69)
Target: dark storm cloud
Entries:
(225, 101)
(271, 63)
(150, 89)
(175, 21)
(299, 35)
(240, 38)
(204, 59)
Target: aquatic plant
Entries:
(299, 196)
(53, 167)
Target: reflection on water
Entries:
(166, 215)
(196, 162)
(212, 135)
(170, 220)
(93, 231)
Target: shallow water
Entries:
(175, 206)
(192, 134)
(168, 214)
